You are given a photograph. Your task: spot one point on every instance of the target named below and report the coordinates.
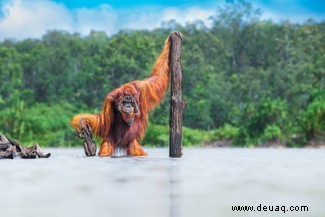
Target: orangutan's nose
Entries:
(127, 109)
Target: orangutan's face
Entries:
(128, 107)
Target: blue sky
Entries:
(312, 5)
(134, 3)
(20, 19)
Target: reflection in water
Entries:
(174, 189)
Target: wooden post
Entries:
(177, 105)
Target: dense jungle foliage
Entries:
(245, 80)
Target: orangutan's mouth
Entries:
(130, 121)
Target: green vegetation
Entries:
(244, 80)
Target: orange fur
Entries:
(148, 92)
(135, 149)
(91, 119)
(106, 149)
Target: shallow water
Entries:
(204, 182)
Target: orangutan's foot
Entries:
(135, 149)
(106, 149)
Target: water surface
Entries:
(204, 182)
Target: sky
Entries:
(21, 19)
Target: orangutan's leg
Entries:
(135, 149)
(106, 149)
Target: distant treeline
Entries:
(244, 80)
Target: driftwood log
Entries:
(177, 105)
(11, 149)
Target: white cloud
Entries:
(154, 19)
(140, 20)
(100, 18)
(188, 15)
(298, 17)
(33, 18)
(26, 18)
